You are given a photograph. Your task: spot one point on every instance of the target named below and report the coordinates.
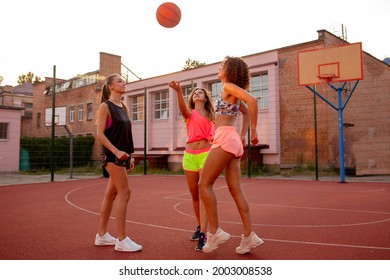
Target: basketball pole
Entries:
(53, 125)
(315, 134)
(339, 108)
(145, 130)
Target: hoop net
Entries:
(327, 77)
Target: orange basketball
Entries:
(168, 14)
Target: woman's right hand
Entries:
(121, 155)
(175, 85)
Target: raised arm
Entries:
(185, 111)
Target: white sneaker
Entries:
(106, 239)
(127, 245)
(214, 240)
(248, 243)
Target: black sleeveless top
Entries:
(119, 133)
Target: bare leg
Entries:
(215, 163)
(233, 179)
(106, 208)
(118, 175)
(192, 182)
(202, 212)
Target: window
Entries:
(137, 108)
(80, 112)
(38, 119)
(3, 131)
(89, 112)
(28, 110)
(161, 105)
(71, 114)
(79, 82)
(259, 89)
(215, 89)
(27, 114)
(17, 102)
(73, 83)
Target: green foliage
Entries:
(190, 64)
(256, 169)
(28, 78)
(39, 150)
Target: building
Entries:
(15, 122)
(77, 101)
(286, 113)
(10, 131)
(20, 96)
(366, 116)
(165, 129)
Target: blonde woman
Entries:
(114, 133)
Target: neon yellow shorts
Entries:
(193, 160)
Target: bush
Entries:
(39, 150)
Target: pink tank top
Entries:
(199, 127)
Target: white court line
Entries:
(183, 230)
(347, 190)
(178, 196)
(176, 207)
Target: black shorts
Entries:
(116, 161)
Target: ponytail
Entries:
(105, 93)
(105, 90)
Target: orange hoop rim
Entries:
(327, 77)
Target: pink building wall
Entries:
(10, 147)
(168, 136)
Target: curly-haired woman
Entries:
(226, 151)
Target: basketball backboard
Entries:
(59, 117)
(335, 64)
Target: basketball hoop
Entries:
(334, 64)
(47, 124)
(327, 77)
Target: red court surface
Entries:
(298, 220)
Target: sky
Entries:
(36, 35)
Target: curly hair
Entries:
(237, 71)
(208, 104)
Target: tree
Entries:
(29, 78)
(1, 79)
(190, 64)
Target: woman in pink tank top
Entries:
(198, 115)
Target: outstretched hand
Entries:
(175, 85)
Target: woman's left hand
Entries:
(132, 165)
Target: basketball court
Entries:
(298, 220)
